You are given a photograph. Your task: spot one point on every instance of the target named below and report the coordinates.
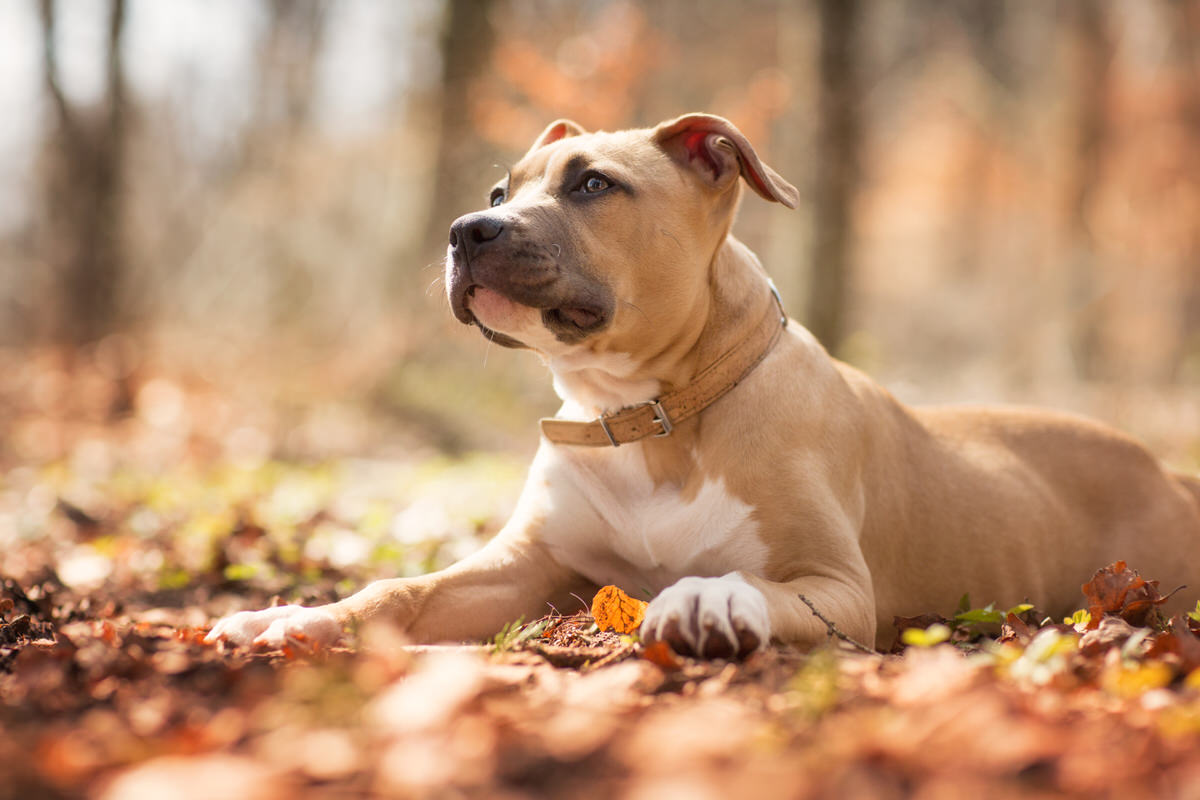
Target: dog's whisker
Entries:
(637, 309)
(670, 236)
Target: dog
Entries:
(710, 455)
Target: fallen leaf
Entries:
(661, 655)
(1111, 632)
(921, 621)
(1179, 645)
(1116, 589)
(1017, 630)
(615, 610)
(933, 635)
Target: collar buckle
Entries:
(778, 302)
(660, 416)
(604, 427)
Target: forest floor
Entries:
(121, 551)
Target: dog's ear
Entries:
(559, 129)
(713, 147)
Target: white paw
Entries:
(275, 627)
(709, 617)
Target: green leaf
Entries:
(934, 634)
(507, 635)
(975, 616)
(174, 578)
(1019, 609)
(1195, 615)
(240, 572)
(513, 634)
(964, 604)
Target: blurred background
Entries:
(222, 221)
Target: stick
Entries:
(833, 629)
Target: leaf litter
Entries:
(107, 691)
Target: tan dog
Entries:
(784, 472)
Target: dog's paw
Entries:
(709, 618)
(275, 627)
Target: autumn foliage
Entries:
(1123, 592)
(614, 610)
(116, 700)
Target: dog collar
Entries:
(659, 417)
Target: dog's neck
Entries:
(591, 383)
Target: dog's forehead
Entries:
(632, 149)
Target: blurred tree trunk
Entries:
(463, 162)
(82, 192)
(1092, 53)
(984, 25)
(288, 58)
(1185, 18)
(836, 171)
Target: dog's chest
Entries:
(647, 531)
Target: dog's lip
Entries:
(582, 317)
(585, 318)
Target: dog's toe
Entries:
(709, 618)
(671, 632)
(311, 627)
(273, 627)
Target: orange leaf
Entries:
(660, 654)
(615, 610)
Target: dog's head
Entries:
(602, 240)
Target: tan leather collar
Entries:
(659, 417)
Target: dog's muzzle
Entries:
(491, 252)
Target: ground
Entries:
(119, 554)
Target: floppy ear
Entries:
(713, 147)
(559, 129)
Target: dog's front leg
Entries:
(735, 614)
(507, 580)
(513, 576)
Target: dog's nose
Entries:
(473, 231)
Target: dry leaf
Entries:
(615, 610)
(661, 655)
(1178, 644)
(1116, 589)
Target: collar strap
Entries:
(659, 417)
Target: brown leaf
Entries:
(1116, 589)
(1111, 632)
(1179, 643)
(1015, 629)
(661, 655)
(615, 610)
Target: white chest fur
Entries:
(609, 521)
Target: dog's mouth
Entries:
(581, 318)
(460, 303)
(569, 323)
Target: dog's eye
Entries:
(497, 197)
(594, 184)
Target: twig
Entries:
(833, 629)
